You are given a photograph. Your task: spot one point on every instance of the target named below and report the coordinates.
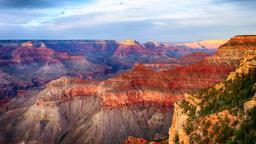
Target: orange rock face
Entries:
(243, 39)
(131, 140)
(27, 44)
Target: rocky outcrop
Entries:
(232, 52)
(43, 45)
(133, 140)
(249, 105)
(27, 44)
(176, 132)
(216, 114)
(129, 42)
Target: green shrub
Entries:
(176, 138)
(247, 132)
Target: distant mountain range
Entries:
(26, 64)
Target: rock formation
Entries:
(129, 42)
(27, 44)
(70, 110)
(193, 58)
(34, 63)
(199, 76)
(221, 114)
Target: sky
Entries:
(142, 20)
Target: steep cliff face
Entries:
(176, 132)
(233, 50)
(113, 92)
(193, 58)
(223, 113)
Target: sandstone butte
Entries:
(143, 85)
(27, 44)
(129, 42)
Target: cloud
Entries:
(232, 1)
(115, 19)
(185, 13)
(111, 11)
(38, 3)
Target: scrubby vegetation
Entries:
(189, 108)
(176, 138)
(231, 97)
(247, 132)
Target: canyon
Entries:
(102, 92)
(28, 64)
